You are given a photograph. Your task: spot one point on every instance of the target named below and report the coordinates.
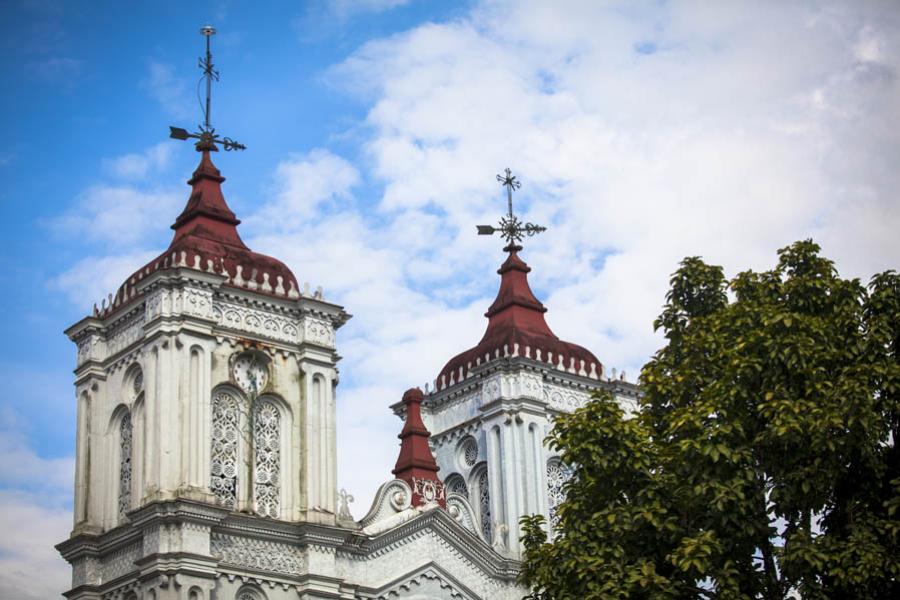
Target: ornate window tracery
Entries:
(484, 504)
(126, 443)
(468, 452)
(266, 471)
(557, 476)
(456, 485)
(224, 455)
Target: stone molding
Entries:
(459, 508)
(258, 555)
(450, 588)
(176, 295)
(392, 497)
(275, 552)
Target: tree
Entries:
(763, 461)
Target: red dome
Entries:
(516, 327)
(206, 239)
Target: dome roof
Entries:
(206, 239)
(516, 327)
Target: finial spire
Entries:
(207, 135)
(209, 73)
(511, 228)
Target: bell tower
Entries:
(492, 406)
(206, 395)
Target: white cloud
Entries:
(26, 548)
(168, 89)
(138, 165)
(91, 279)
(120, 216)
(706, 142)
(345, 8)
(642, 133)
(303, 185)
(35, 515)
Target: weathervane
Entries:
(511, 227)
(207, 135)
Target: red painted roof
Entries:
(516, 327)
(415, 463)
(206, 239)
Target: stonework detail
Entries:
(267, 450)
(256, 322)
(557, 475)
(319, 332)
(457, 485)
(120, 562)
(429, 490)
(197, 303)
(85, 570)
(260, 555)
(484, 504)
(492, 389)
(224, 451)
(88, 349)
(428, 584)
(126, 333)
(459, 509)
(469, 452)
(125, 450)
(157, 304)
(202, 491)
(564, 399)
(530, 386)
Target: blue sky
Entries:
(642, 132)
(91, 82)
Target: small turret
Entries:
(415, 464)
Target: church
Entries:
(207, 391)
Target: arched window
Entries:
(456, 485)
(484, 503)
(126, 443)
(557, 475)
(250, 593)
(224, 455)
(267, 467)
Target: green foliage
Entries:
(763, 461)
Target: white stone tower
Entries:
(493, 405)
(208, 377)
(205, 458)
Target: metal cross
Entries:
(511, 228)
(206, 135)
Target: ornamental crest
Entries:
(429, 490)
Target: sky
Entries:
(642, 133)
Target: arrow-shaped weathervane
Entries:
(511, 228)
(207, 135)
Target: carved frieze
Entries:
(255, 322)
(120, 562)
(89, 348)
(157, 304)
(197, 303)
(564, 399)
(318, 332)
(125, 333)
(492, 389)
(85, 571)
(262, 555)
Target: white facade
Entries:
(206, 442)
(205, 460)
(488, 431)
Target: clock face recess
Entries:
(250, 372)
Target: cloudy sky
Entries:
(642, 133)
